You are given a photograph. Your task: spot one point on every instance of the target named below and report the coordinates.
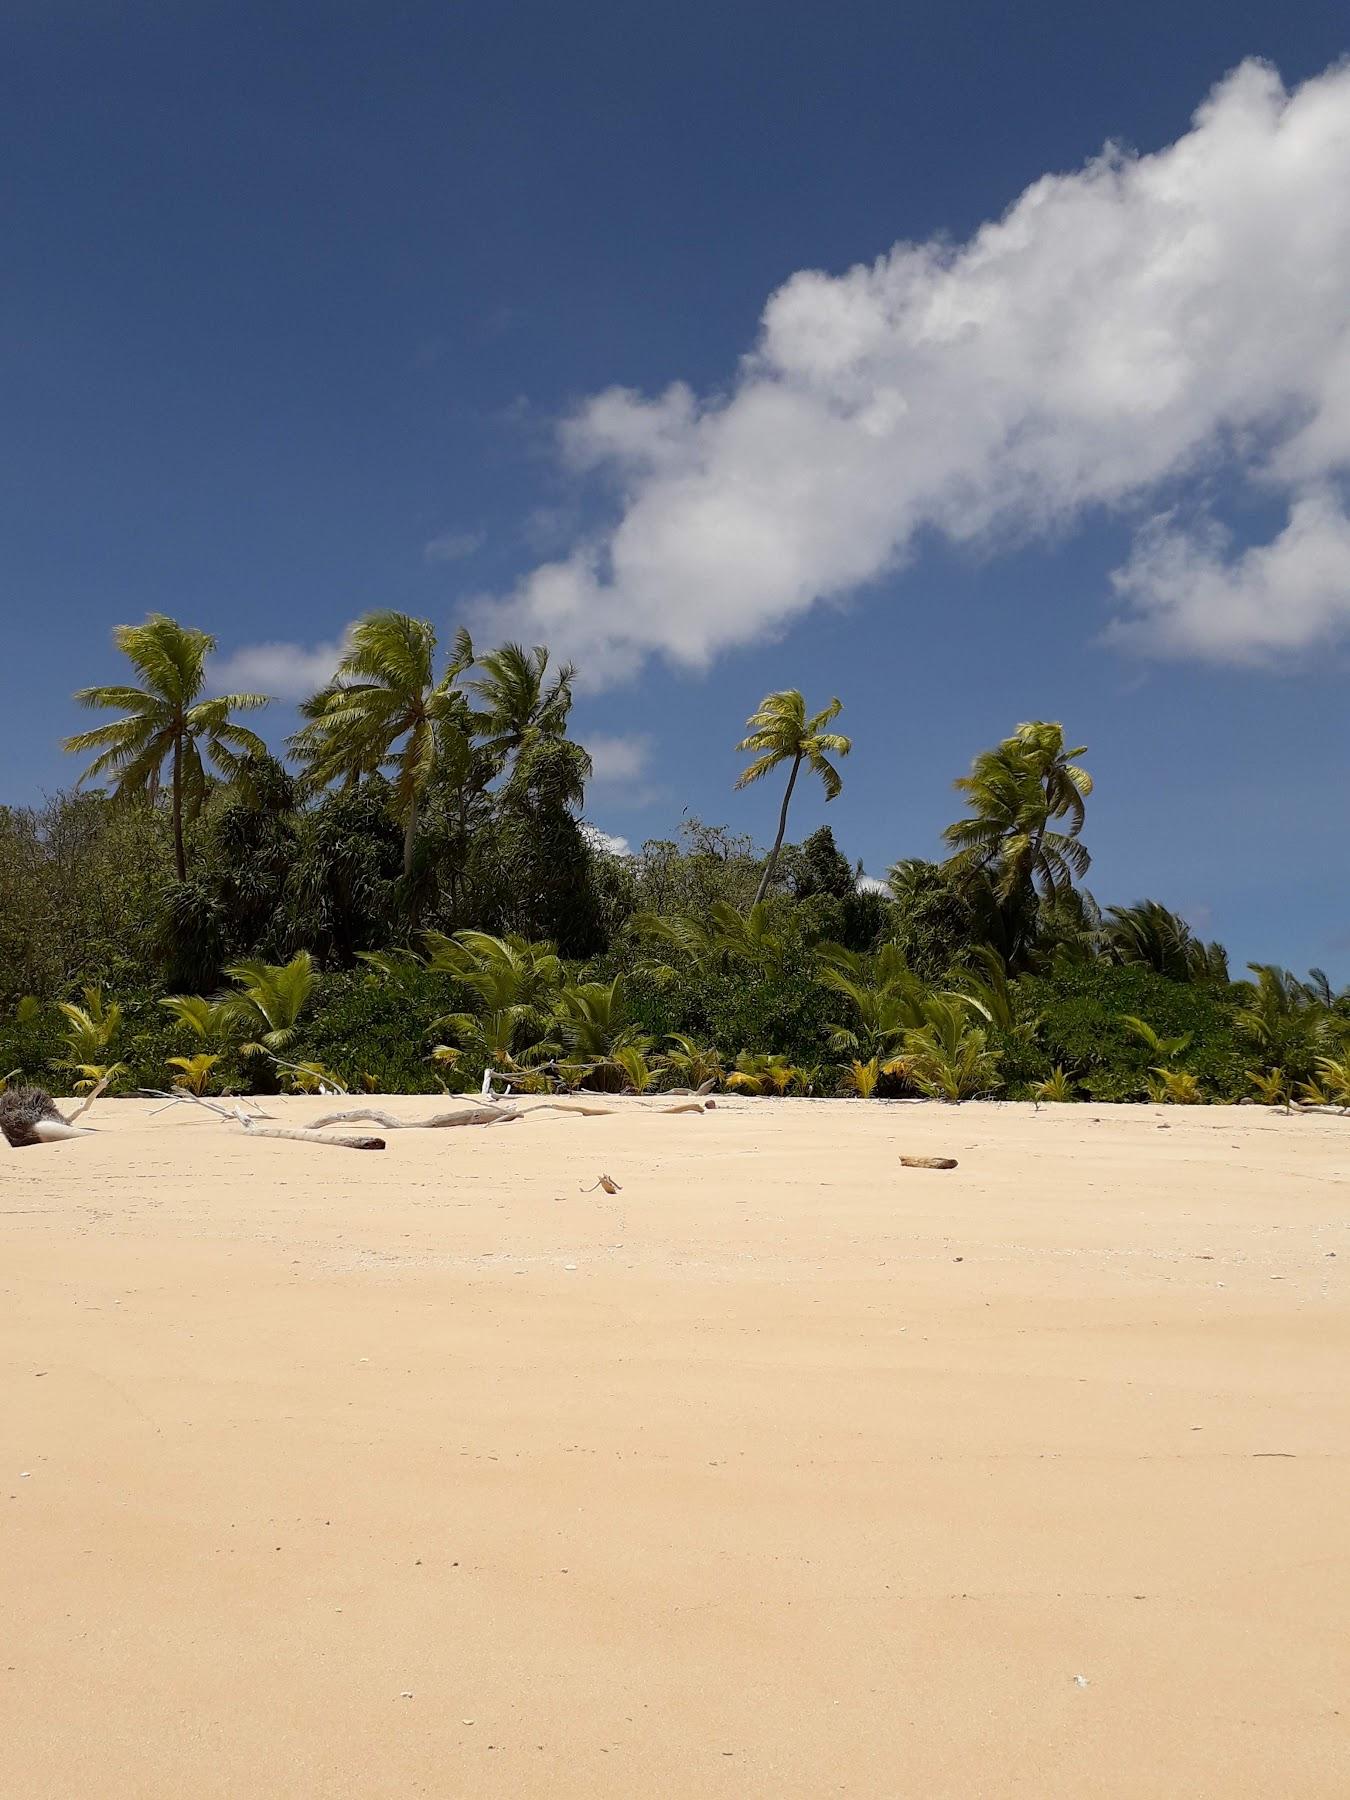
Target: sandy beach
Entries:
(784, 1471)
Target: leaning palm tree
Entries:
(520, 704)
(779, 732)
(1015, 793)
(386, 704)
(165, 719)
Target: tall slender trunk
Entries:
(767, 876)
(179, 852)
(409, 837)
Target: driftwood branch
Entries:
(180, 1096)
(92, 1095)
(474, 1115)
(310, 1137)
(327, 1084)
(605, 1112)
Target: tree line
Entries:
(410, 895)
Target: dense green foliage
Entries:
(415, 899)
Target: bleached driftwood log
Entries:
(311, 1137)
(473, 1115)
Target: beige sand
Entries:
(783, 1472)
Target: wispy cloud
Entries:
(453, 546)
(619, 767)
(1118, 330)
(286, 671)
(619, 759)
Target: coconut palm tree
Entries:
(593, 1019)
(948, 1056)
(887, 999)
(1149, 933)
(1015, 793)
(778, 732)
(713, 940)
(502, 971)
(213, 1021)
(166, 720)
(520, 704)
(516, 984)
(271, 998)
(386, 704)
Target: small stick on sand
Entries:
(928, 1162)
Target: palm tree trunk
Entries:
(767, 876)
(179, 852)
(409, 837)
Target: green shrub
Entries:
(1082, 1028)
(362, 1025)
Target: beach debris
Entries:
(1080, 1681)
(249, 1121)
(607, 1182)
(928, 1162)
(490, 1114)
(181, 1097)
(586, 1111)
(29, 1115)
(311, 1137)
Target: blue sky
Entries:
(298, 297)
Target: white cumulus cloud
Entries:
(285, 671)
(1186, 596)
(606, 841)
(1121, 329)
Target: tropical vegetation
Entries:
(411, 895)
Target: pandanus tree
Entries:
(779, 731)
(386, 704)
(166, 720)
(1015, 794)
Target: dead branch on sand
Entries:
(310, 1137)
(473, 1115)
(928, 1162)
